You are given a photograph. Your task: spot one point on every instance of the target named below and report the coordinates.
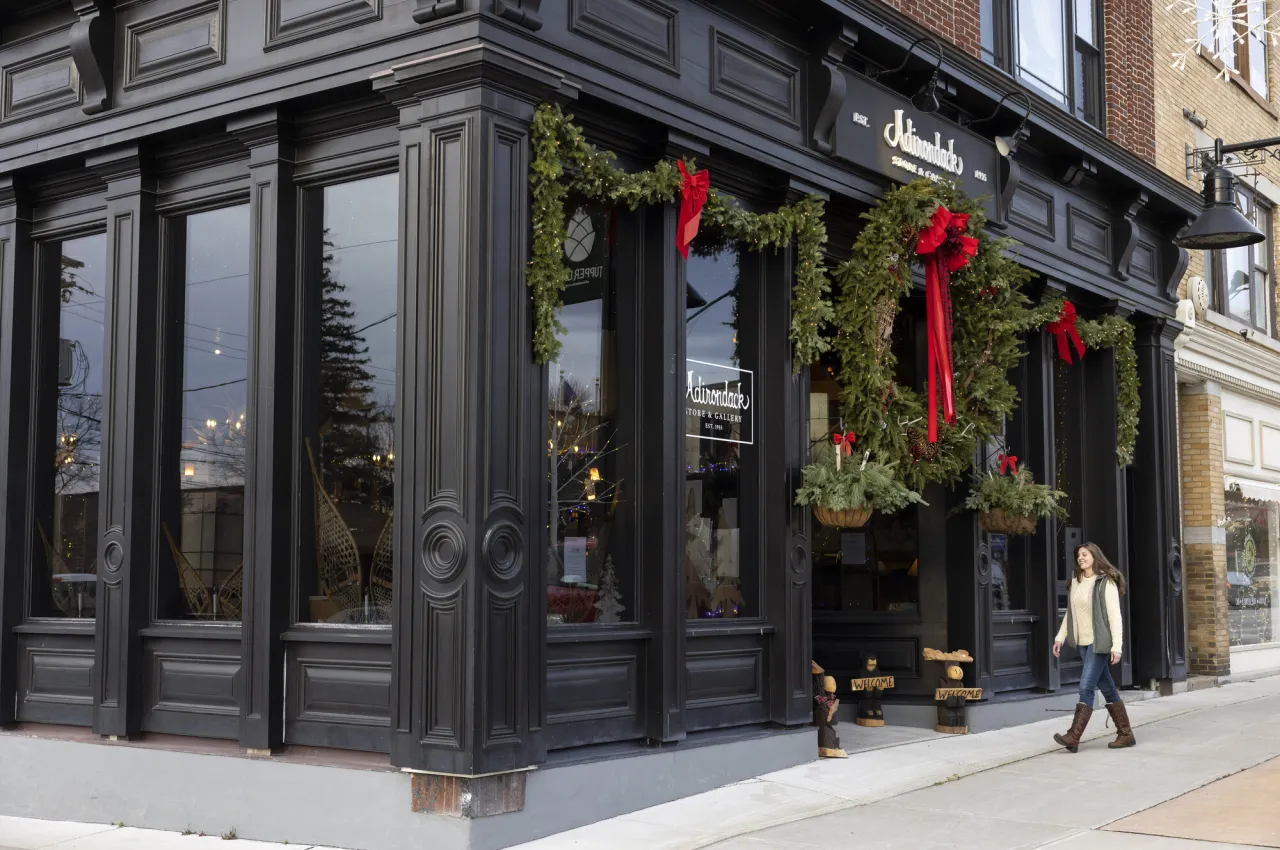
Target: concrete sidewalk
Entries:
(1002, 790)
(1186, 741)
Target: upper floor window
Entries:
(1234, 33)
(1051, 45)
(1240, 278)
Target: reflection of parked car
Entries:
(1241, 592)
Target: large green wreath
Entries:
(564, 161)
(990, 315)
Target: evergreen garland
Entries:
(562, 159)
(990, 313)
(1116, 333)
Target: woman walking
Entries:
(1093, 626)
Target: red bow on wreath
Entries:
(1007, 461)
(945, 249)
(693, 195)
(1064, 328)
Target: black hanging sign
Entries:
(884, 133)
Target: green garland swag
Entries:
(1116, 333)
(990, 313)
(563, 160)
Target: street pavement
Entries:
(1204, 776)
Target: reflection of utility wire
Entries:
(216, 279)
(372, 324)
(337, 248)
(215, 386)
(708, 306)
(217, 330)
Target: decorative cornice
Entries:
(1233, 382)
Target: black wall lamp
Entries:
(1220, 223)
(1008, 145)
(926, 99)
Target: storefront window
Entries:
(590, 574)
(720, 418)
(1253, 549)
(1042, 43)
(68, 538)
(348, 453)
(204, 538)
(870, 569)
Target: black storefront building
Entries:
(292, 525)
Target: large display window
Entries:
(71, 424)
(1253, 547)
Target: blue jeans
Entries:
(1096, 676)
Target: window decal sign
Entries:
(719, 402)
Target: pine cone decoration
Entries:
(921, 448)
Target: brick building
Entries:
(1229, 363)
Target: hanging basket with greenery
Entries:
(845, 495)
(1013, 503)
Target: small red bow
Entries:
(945, 249)
(845, 440)
(693, 195)
(1007, 461)
(1064, 328)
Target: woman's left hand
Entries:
(1115, 658)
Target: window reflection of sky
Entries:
(360, 220)
(579, 363)
(709, 329)
(216, 347)
(82, 323)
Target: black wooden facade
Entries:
(125, 118)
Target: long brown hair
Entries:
(1101, 566)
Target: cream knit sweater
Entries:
(1080, 598)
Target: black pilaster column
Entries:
(128, 542)
(273, 204)
(788, 566)
(1105, 502)
(661, 437)
(1156, 605)
(468, 658)
(17, 288)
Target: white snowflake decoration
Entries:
(1221, 26)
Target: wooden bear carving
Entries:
(825, 707)
(870, 686)
(951, 695)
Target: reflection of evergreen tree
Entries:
(349, 413)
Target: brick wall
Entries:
(1204, 561)
(955, 21)
(1130, 75)
(1127, 37)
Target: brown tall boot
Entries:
(1124, 731)
(1071, 740)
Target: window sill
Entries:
(1246, 332)
(1239, 80)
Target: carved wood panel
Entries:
(175, 44)
(46, 83)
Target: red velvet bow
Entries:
(844, 441)
(945, 249)
(693, 195)
(1007, 461)
(1064, 328)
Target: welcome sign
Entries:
(882, 132)
(719, 402)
